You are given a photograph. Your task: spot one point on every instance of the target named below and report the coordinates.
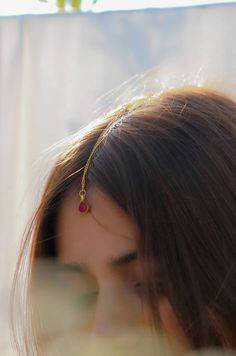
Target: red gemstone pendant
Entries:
(83, 207)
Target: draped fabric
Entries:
(54, 67)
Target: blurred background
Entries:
(58, 57)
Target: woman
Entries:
(136, 229)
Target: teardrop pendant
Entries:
(83, 206)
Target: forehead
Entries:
(104, 232)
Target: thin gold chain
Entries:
(86, 167)
(119, 115)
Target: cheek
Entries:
(171, 326)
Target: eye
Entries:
(139, 288)
(87, 299)
(138, 285)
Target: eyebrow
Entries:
(114, 262)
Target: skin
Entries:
(100, 267)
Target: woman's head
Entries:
(162, 224)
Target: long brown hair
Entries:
(171, 165)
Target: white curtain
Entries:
(52, 68)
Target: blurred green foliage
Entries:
(74, 4)
(61, 4)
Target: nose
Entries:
(115, 313)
